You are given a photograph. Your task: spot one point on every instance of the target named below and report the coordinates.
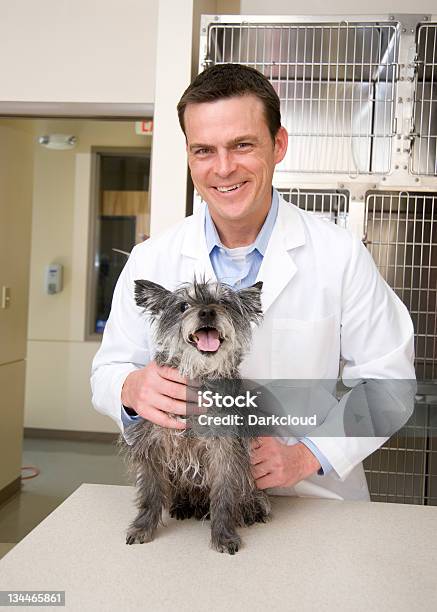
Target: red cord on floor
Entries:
(35, 470)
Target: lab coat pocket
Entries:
(304, 348)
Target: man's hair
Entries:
(228, 81)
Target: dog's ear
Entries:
(251, 302)
(151, 296)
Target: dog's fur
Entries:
(206, 476)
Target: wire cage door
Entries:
(402, 237)
(424, 135)
(329, 204)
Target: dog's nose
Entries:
(207, 314)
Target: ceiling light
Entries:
(57, 141)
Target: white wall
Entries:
(339, 7)
(78, 50)
(176, 55)
(173, 74)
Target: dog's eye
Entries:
(184, 306)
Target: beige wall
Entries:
(16, 160)
(59, 359)
(81, 51)
(345, 7)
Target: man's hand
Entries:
(154, 392)
(275, 464)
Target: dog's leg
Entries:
(185, 505)
(255, 509)
(225, 495)
(200, 502)
(181, 507)
(189, 502)
(149, 502)
(255, 505)
(223, 534)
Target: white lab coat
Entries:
(323, 298)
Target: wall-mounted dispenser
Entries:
(53, 278)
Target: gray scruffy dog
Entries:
(203, 330)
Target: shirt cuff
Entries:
(326, 466)
(127, 419)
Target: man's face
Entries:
(232, 157)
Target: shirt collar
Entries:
(262, 240)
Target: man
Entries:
(323, 298)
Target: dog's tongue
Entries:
(207, 340)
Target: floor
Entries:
(64, 465)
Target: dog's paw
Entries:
(138, 536)
(181, 511)
(250, 517)
(254, 511)
(230, 545)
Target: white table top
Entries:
(314, 555)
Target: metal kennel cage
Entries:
(400, 233)
(359, 101)
(424, 159)
(330, 205)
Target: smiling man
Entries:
(232, 156)
(323, 298)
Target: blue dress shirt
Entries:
(239, 268)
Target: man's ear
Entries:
(251, 302)
(151, 296)
(281, 144)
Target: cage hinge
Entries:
(207, 62)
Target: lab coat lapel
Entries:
(278, 268)
(194, 247)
